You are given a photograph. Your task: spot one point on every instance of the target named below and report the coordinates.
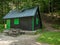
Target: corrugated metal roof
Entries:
(16, 14)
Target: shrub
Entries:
(1, 27)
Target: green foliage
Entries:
(1, 27)
(56, 4)
(52, 38)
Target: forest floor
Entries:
(19, 40)
(48, 27)
(24, 39)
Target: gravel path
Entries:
(21, 40)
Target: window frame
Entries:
(16, 21)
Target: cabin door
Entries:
(8, 24)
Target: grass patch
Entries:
(1, 27)
(52, 38)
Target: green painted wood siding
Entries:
(32, 23)
(8, 24)
(37, 20)
(16, 21)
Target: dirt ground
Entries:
(19, 40)
(49, 28)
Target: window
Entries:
(16, 21)
(37, 21)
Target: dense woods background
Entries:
(50, 9)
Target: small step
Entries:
(19, 31)
(28, 32)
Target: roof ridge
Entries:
(19, 13)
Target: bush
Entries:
(1, 27)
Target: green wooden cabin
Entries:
(27, 19)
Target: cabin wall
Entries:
(25, 23)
